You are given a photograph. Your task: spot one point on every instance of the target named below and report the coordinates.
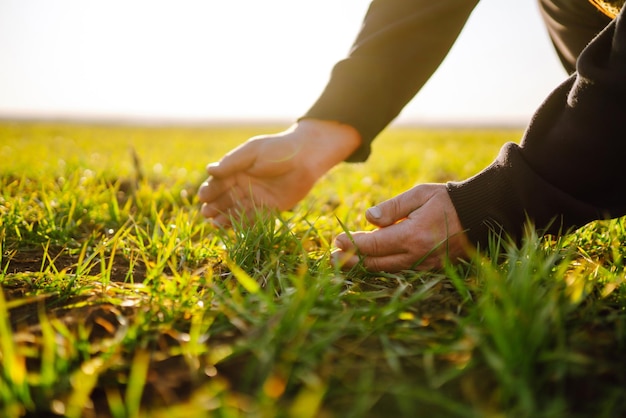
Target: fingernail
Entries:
(375, 212)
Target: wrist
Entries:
(326, 143)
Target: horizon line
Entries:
(400, 122)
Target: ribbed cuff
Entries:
(487, 206)
(509, 194)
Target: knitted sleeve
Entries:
(569, 168)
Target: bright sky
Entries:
(205, 60)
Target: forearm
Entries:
(401, 44)
(501, 199)
(568, 169)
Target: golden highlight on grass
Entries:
(118, 300)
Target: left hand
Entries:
(417, 230)
(274, 171)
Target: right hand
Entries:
(274, 171)
(418, 230)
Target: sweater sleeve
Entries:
(400, 45)
(568, 169)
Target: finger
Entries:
(213, 188)
(209, 210)
(245, 213)
(225, 213)
(344, 259)
(222, 220)
(379, 243)
(401, 262)
(366, 243)
(232, 199)
(391, 264)
(239, 159)
(399, 207)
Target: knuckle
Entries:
(395, 205)
(372, 264)
(373, 247)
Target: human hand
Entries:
(274, 171)
(417, 230)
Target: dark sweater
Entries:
(566, 171)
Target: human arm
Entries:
(568, 169)
(399, 46)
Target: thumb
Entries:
(239, 159)
(399, 207)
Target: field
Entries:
(119, 300)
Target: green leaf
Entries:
(243, 278)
